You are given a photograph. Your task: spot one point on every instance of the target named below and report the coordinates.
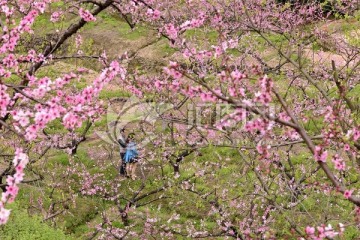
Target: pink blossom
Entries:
(86, 15)
(356, 135)
(232, 92)
(40, 6)
(218, 51)
(12, 190)
(4, 100)
(348, 193)
(207, 97)
(310, 230)
(171, 31)
(346, 147)
(237, 75)
(329, 232)
(19, 175)
(340, 166)
(320, 155)
(8, 11)
(342, 228)
(78, 41)
(338, 162)
(20, 159)
(154, 14)
(55, 16)
(4, 215)
(31, 132)
(71, 121)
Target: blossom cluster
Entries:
(86, 15)
(20, 161)
(56, 16)
(323, 232)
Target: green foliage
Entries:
(202, 36)
(109, 21)
(83, 157)
(276, 38)
(21, 226)
(316, 46)
(165, 48)
(55, 126)
(86, 210)
(81, 230)
(355, 92)
(42, 25)
(314, 125)
(138, 32)
(102, 123)
(59, 158)
(58, 4)
(351, 232)
(112, 93)
(47, 72)
(42, 21)
(327, 6)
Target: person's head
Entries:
(131, 136)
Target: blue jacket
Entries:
(131, 152)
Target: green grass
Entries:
(85, 211)
(42, 24)
(113, 93)
(59, 158)
(314, 125)
(50, 72)
(165, 49)
(55, 126)
(201, 36)
(21, 226)
(109, 21)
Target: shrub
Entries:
(21, 226)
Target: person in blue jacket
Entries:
(131, 156)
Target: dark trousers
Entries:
(122, 165)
